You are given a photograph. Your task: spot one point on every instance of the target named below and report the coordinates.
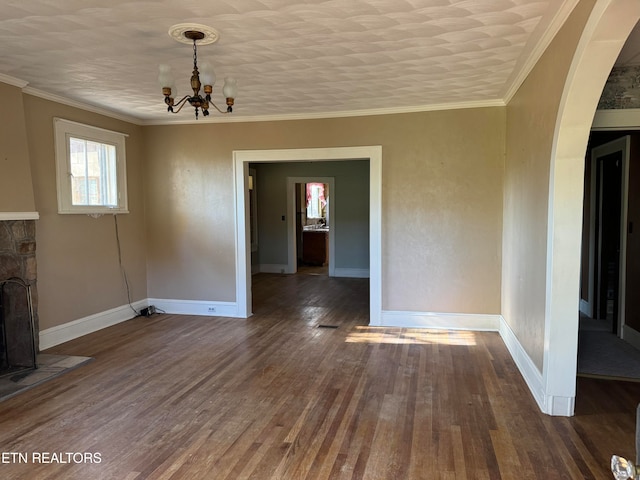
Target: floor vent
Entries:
(327, 326)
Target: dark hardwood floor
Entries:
(278, 396)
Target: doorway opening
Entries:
(604, 263)
(243, 158)
(609, 328)
(312, 228)
(312, 233)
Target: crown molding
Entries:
(555, 24)
(172, 120)
(326, 115)
(16, 82)
(81, 105)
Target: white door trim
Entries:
(241, 160)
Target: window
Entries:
(91, 169)
(316, 202)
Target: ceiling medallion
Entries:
(209, 35)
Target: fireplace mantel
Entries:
(8, 216)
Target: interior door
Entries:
(609, 216)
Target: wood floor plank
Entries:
(275, 397)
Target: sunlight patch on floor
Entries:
(410, 336)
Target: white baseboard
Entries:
(631, 336)
(77, 328)
(585, 308)
(447, 321)
(532, 376)
(549, 404)
(196, 307)
(351, 272)
(273, 268)
(83, 326)
(337, 272)
(560, 406)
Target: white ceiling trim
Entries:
(9, 80)
(82, 106)
(314, 116)
(188, 120)
(540, 47)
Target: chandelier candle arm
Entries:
(197, 101)
(179, 105)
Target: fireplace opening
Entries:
(18, 349)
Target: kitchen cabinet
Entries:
(315, 246)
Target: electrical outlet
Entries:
(211, 309)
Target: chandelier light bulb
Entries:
(165, 78)
(207, 75)
(230, 90)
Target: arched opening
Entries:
(608, 28)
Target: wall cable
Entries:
(122, 270)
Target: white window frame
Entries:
(63, 130)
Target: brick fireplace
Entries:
(18, 264)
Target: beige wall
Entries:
(442, 175)
(531, 122)
(442, 209)
(16, 191)
(78, 271)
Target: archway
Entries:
(606, 31)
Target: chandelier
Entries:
(188, 33)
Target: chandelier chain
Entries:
(195, 55)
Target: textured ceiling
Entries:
(290, 58)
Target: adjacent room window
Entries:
(316, 202)
(91, 169)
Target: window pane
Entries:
(93, 173)
(315, 200)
